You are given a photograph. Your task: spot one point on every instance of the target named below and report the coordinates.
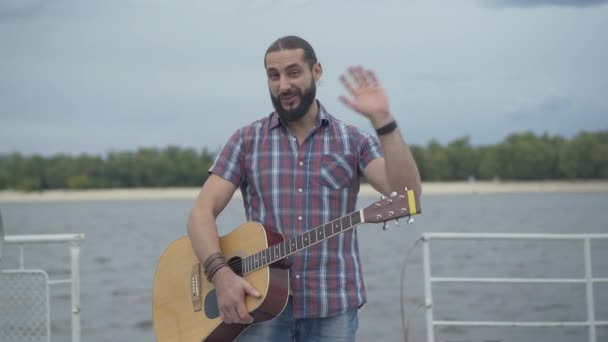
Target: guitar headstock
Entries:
(400, 204)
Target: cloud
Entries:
(12, 9)
(538, 3)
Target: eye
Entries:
(273, 76)
(294, 73)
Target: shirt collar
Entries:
(322, 119)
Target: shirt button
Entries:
(297, 276)
(299, 218)
(301, 163)
(300, 190)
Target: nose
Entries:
(283, 85)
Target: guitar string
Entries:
(238, 264)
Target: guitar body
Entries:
(185, 303)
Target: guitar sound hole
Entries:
(235, 264)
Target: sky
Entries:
(93, 76)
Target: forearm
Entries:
(401, 169)
(202, 230)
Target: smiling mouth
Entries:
(288, 99)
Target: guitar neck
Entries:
(288, 247)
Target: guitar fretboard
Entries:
(288, 247)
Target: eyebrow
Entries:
(289, 67)
(293, 66)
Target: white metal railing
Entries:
(588, 280)
(74, 241)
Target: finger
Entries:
(347, 85)
(244, 316)
(230, 315)
(358, 75)
(371, 77)
(348, 102)
(252, 291)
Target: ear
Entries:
(317, 71)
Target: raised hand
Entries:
(367, 96)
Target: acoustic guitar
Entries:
(185, 305)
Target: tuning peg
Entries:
(393, 194)
(385, 226)
(410, 220)
(383, 197)
(397, 222)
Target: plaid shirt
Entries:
(293, 188)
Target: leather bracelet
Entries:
(213, 264)
(386, 129)
(212, 258)
(214, 271)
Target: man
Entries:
(297, 169)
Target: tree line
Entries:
(521, 156)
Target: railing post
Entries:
(75, 259)
(589, 279)
(21, 258)
(428, 297)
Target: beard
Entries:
(306, 99)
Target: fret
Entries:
(306, 240)
(270, 253)
(263, 263)
(345, 222)
(336, 227)
(277, 253)
(293, 246)
(313, 236)
(256, 260)
(320, 233)
(355, 218)
(299, 242)
(327, 230)
(282, 252)
(245, 269)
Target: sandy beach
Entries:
(429, 188)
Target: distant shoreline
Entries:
(428, 188)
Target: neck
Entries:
(302, 126)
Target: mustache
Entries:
(289, 93)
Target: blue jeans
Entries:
(285, 328)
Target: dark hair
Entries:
(293, 43)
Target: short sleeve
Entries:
(229, 161)
(369, 149)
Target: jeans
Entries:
(285, 328)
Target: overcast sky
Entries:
(99, 75)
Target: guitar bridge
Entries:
(195, 293)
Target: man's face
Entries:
(291, 83)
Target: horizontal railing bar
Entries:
(508, 280)
(515, 324)
(43, 238)
(60, 281)
(513, 236)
